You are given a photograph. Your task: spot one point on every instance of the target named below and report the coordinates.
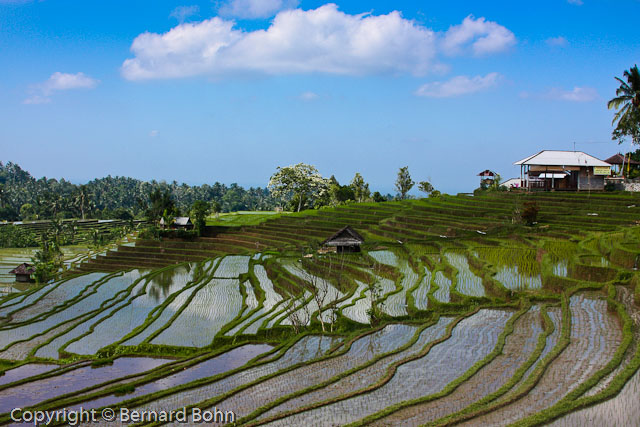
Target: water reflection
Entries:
(160, 284)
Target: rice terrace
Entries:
(450, 314)
(311, 213)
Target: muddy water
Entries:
(222, 363)
(37, 391)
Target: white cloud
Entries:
(153, 133)
(323, 40)
(255, 9)
(308, 96)
(480, 36)
(65, 81)
(557, 41)
(578, 94)
(181, 13)
(457, 86)
(576, 2)
(58, 82)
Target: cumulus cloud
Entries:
(479, 36)
(59, 82)
(578, 94)
(323, 40)
(557, 41)
(255, 9)
(181, 13)
(457, 86)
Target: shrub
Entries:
(12, 236)
(530, 212)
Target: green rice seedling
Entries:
(303, 350)
(442, 294)
(472, 339)
(213, 306)
(385, 257)
(421, 294)
(92, 302)
(467, 283)
(356, 308)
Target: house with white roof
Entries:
(563, 170)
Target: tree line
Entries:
(22, 197)
(294, 188)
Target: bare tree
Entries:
(375, 290)
(298, 312)
(320, 288)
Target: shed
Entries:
(23, 272)
(563, 170)
(345, 240)
(183, 222)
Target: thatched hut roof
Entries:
(487, 172)
(618, 159)
(23, 268)
(346, 236)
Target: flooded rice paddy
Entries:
(223, 321)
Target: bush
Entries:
(12, 236)
(530, 212)
(609, 186)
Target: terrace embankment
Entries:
(430, 220)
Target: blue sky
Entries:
(227, 91)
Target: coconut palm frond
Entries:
(627, 104)
(616, 102)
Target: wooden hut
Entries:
(486, 177)
(345, 240)
(179, 222)
(23, 272)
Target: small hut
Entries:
(345, 240)
(179, 222)
(23, 272)
(486, 177)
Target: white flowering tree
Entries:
(300, 182)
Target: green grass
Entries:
(242, 218)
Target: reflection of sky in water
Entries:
(24, 371)
(225, 362)
(77, 379)
(512, 279)
(560, 268)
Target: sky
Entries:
(229, 90)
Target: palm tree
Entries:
(627, 102)
(82, 199)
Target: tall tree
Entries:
(627, 102)
(161, 204)
(360, 188)
(200, 210)
(82, 199)
(404, 183)
(301, 182)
